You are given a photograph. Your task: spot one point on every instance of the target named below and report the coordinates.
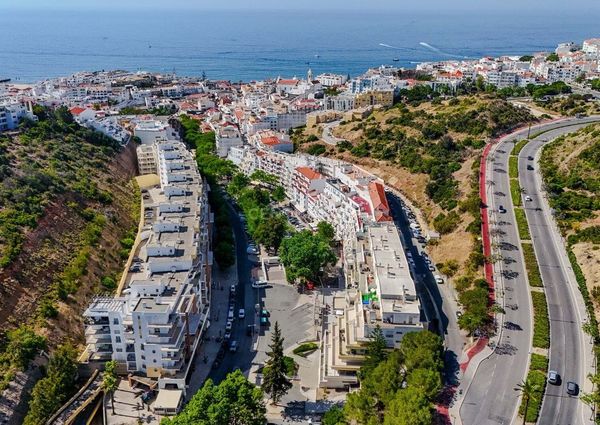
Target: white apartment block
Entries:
(591, 47)
(152, 131)
(382, 293)
(12, 113)
(155, 323)
(147, 159)
(331, 80)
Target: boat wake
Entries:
(390, 47)
(441, 52)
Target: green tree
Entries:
(50, 392)
(376, 351)
(409, 407)
(270, 231)
(110, 381)
(334, 416)
(427, 381)
(275, 382)
(552, 57)
(326, 231)
(361, 408)
(422, 350)
(234, 401)
(385, 379)
(278, 194)
(23, 345)
(304, 254)
(528, 392)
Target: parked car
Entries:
(229, 325)
(572, 388)
(501, 209)
(232, 289)
(530, 158)
(528, 198)
(260, 284)
(264, 321)
(252, 250)
(438, 279)
(553, 377)
(431, 268)
(233, 346)
(529, 167)
(227, 336)
(242, 313)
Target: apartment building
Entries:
(147, 159)
(273, 141)
(382, 293)
(153, 326)
(12, 113)
(305, 180)
(152, 131)
(374, 97)
(331, 80)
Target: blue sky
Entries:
(371, 5)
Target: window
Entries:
(115, 321)
(119, 350)
(118, 339)
(143, 357)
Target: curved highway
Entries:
(567, 354)
(491, 397)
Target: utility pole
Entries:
(529, 131)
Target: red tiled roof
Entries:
(288, 82)
(270, 140)
(76, 110)
(309, 173)
(379, 200)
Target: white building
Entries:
(331, 80)
(153, 326)
(152, 131)
(227, 136)
(12, 113)
(592, 47)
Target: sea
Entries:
(246, 45)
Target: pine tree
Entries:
(275, 381)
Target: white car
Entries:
(260, 284)
(242, 313)
(528, 198)
(233, 346)
(431, 268)
(229, 325)
(438, 279)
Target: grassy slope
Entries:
(50, 245)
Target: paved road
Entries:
(246, 298)
(437, 300)
(566, 345)
(328, 136)
(491, 397)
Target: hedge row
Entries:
(541, 325)
(522, 225)
(531, 265)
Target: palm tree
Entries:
(528, 391)
(110, 382)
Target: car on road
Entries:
(264, 321)
(431, 267)
(572, 388)
(233, 346)
(529, 167)
(458, 314)
(553, 377)
(229, 325)
(242, 313)
(252, 250)
(530, 158)
(438, 279)
(227, 336)
(260, 284)
(230, 314)
(264, 313)
(501, 209)
(528, 198)
(232, 289)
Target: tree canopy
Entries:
(304, 254)
(275, 382)
(234, 401)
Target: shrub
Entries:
(533, 271)
(446, 223)
(305, 349)
(522, 225)
(541, 325)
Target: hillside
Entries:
(429, 150)
(68, 205)
(571, 170)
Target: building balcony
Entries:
(99, 339)
(96, 321)
(97, 330)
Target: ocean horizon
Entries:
(248, 45)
